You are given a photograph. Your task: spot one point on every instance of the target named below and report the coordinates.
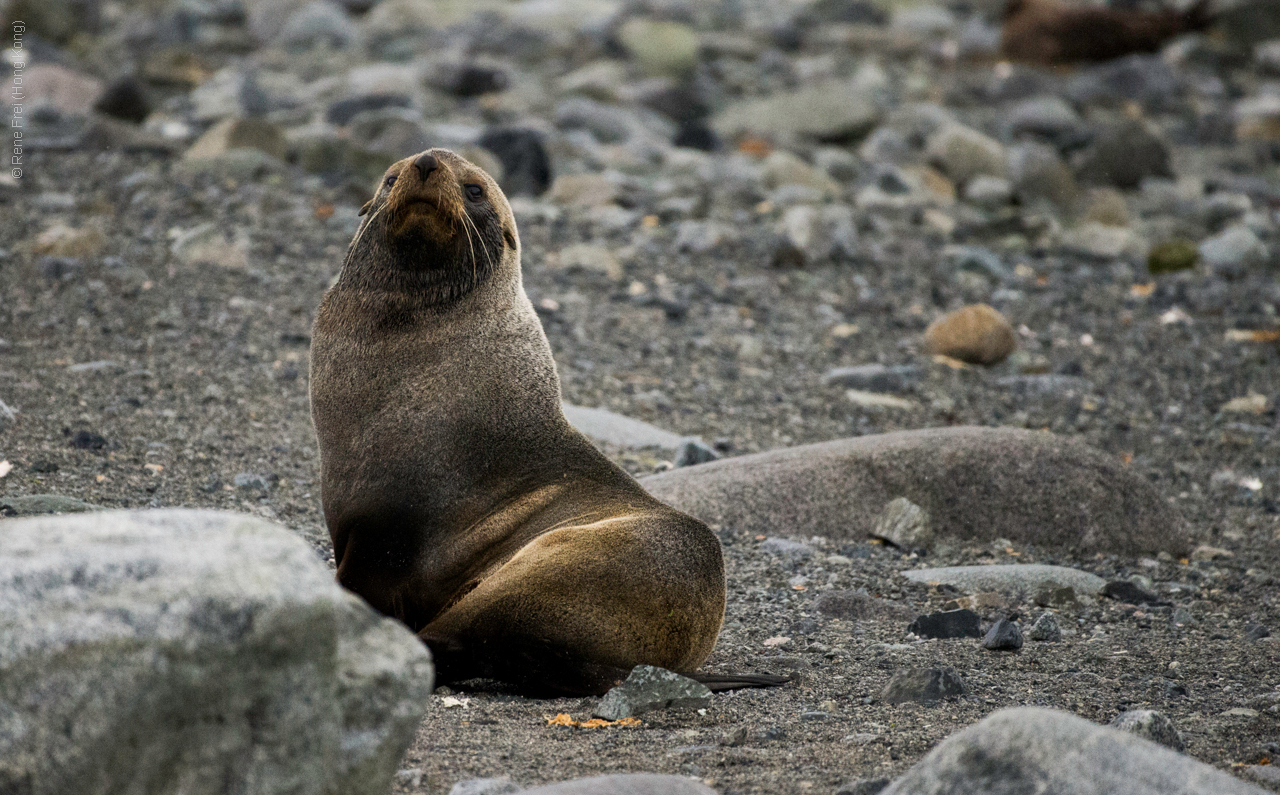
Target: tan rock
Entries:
(231, 134)
(50, 84)
(61, 240)
(976, 334)
(1107, 206)
(583, 190)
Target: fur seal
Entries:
(458, 498)
(1053, 32)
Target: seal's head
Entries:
(438, 226)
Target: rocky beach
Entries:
(748, 227)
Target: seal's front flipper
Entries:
(718, 682)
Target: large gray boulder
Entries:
(1034, 750)
(193, 652)
(977, 484)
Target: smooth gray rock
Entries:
(1233, 251)
(978, 484)
(194, 652)
(606, 427)
(625, 784)
(834, 111)
(1012, 578)
(648, 688)
(319, 23)
(37, 504)
(964, 153)
(1150, 725)
(1049, 118)
(1034, 750)
(783, 546)
(904, 524)
(923, 685)
(1124, 155)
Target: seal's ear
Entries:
(365, 208)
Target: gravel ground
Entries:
(155, 313)
(196, 383)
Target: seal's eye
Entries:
(475, 192)
(391, 180)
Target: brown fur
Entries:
(458, 498)
(1053, 32)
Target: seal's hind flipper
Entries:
(718, 682)
(536, 669)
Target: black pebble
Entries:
(86, 440)
(471, 80)
(695, 134)
(124, 99)
(526, 166)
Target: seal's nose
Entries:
(426, 163)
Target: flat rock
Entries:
(485, 786)
(1016, 578)
(231, 134)
(978, 484)
(834, 110)
(923, 685)
(625, 784)
(1029, 749)
(179, 651)
(874, 377)
(648, 688)
(37, 504)
(606, 427)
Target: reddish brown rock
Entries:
(1053, 32)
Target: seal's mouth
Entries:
(420, 211)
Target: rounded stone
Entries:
(977, 334)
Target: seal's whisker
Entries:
(467, 229)
(483, 247)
